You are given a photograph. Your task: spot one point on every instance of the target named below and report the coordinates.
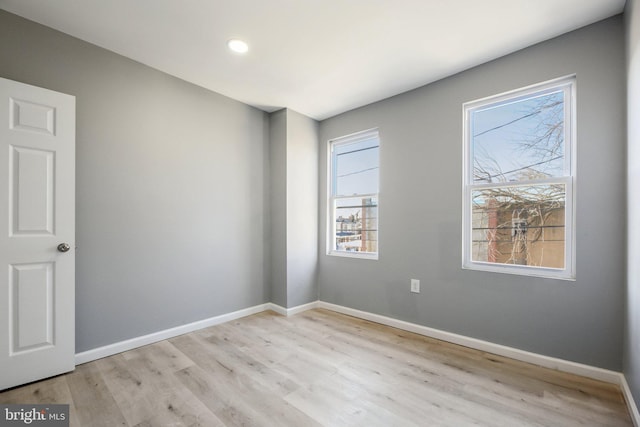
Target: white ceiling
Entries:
(318, 57)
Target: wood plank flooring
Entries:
(320, 368)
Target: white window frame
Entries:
(568, 85)
(332, 198)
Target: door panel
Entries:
(31, 184)
(31, 307)
(37, 185)
(33, 117)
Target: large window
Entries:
(353, 195)
(519, 176)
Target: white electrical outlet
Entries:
(415, 286)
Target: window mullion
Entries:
(556, 180)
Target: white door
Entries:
(37, 233)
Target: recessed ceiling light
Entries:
(238, 46)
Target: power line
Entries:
(522, 168)
(508, 123)
(357, 172)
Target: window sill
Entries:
(360, 255)
(539, 272)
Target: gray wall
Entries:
(421, 208)
(170, 188)
(302, 209)
(632, 341)
(294, 208)
(278, 192)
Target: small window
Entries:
(519, 179)
(353, 195)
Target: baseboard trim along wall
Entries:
(130, 344)
(119, 347)
(631, 403)
(294, 310)
(501, 350)
(562, 365)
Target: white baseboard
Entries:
(119, 347)
(277, 308)
(294, 310)
(501, 350)
(631, 403)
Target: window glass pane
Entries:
(522, 225)
(356, 224)
(356, 167)
(519, 140)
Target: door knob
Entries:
(63, 247)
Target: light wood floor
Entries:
(320, 368)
